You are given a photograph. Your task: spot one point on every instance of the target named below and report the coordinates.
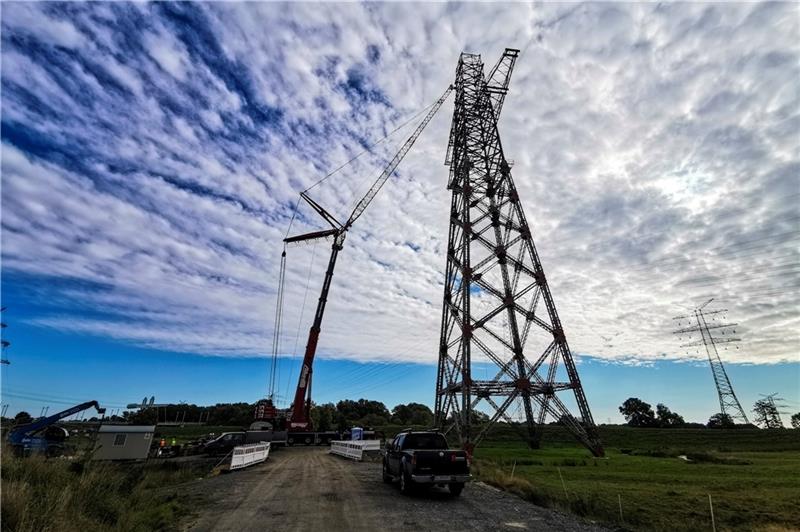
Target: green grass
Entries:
(751, 475)
(60, 495)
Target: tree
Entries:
(796, 421)
(323, 416)
(720, 421)
(666, 418)
(142, 417)
(361, 412)
(22, 418)
(638, 413)
(766, 412)
(412, 414)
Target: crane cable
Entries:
(300, 321)
(276, 334)
(354, 159)
(282, 274)
(369, 148)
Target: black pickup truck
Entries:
(423, 459)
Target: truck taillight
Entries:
(413, 459)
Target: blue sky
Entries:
(58, 369)
(152, 155)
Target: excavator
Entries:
(297, 420)
(42, 436)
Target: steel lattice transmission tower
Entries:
(767, 414)
(697, 322)
(498, 314)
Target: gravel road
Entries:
(306, 489)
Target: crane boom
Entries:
(22, 435)
(381, 180)
(499, 77)
(299, 416)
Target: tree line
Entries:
(638, 413)
(329, 416)
(367, 413)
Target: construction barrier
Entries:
(247, 455)
(354, 449)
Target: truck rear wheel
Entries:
(456, 488)
(308, 440)
(290, 441)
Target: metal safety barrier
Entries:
(247, 455)
(354, 449)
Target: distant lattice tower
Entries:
(767, 414)
(498, 312)
(728, 402)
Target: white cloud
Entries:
(655, 148)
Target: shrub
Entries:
(40, 494)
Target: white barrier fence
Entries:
(354, 449)
(247, 455)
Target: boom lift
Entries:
(33, 437)
(299, 423)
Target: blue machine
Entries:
(33, 438)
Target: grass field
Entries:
(62, 496)
(751, 475)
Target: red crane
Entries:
(299, 419)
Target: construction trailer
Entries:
(123, 442)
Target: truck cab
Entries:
(422, 458)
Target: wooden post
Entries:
(513, 468)
(711, 507)
(619, 498)
(562, 483)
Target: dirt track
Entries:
(304, 489)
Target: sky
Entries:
(152, 156)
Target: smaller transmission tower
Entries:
(766, 411)
(697, 322)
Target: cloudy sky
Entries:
(152, 155)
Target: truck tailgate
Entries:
(441, 462)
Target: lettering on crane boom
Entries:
(303, 376)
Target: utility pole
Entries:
(498, 310)
(697, 322)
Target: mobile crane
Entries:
(38, 436)
(297, 420)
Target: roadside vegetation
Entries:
(59, 495)
(662, 478)
(659, 469)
